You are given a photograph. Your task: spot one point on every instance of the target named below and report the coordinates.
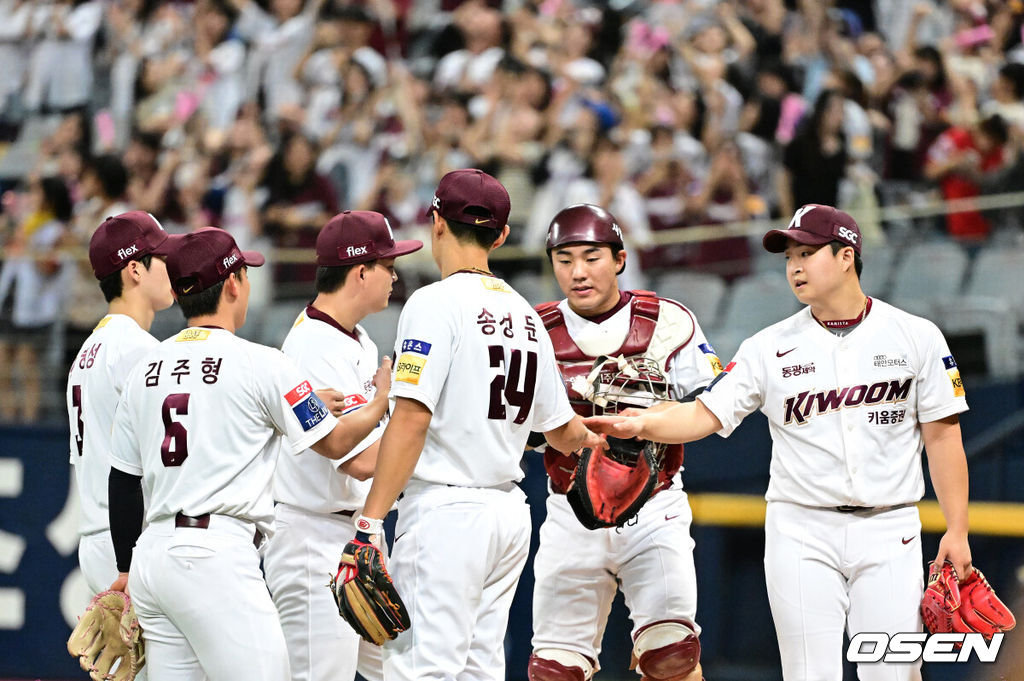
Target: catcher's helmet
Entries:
(584, 223)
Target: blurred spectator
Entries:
(470, 68)
(15, 30)
(34, 278)
(725, 196)
(299, 202)
(815, 161)
(956, 160)
(279, 40)
(60, 75)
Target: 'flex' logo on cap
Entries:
(230, 260)
(127, 252)
(354, 251)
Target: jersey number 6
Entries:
(507, 385)
(174, 448)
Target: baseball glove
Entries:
(968, 606)
(609, 488)
(108, 634)
(366, 597)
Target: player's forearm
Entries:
(125, 509)
(400, 449)
(352, 428)
(568, 437)
(679, 423)
(947, 465)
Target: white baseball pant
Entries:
(578, 571)
(203, 606)
(298, 562)
(828, 572)
(457, 558)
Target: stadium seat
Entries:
(703, 293)
(995, 320)
(928, 274)
(754, 302)
(876, 278)
(999, 273)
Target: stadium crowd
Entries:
(266, 117)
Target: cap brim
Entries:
(775, 240)
(402, 248)
(169, 245)
(253, 259)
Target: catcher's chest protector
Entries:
(652, 335)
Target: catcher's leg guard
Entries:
(667, 651)
(551, 664)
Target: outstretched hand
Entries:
(616, 425)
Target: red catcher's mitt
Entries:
(968, 606)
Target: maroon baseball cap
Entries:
(473, 197)
(357, 236)
(815, 225)
(204, 258)
(126, 237)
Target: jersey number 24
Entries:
(505, 386)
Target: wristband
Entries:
(369, 525)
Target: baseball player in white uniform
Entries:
(316, 504)
(475, 374)
(853, 389)
(651, 557)
(127, 254)
(199, 426)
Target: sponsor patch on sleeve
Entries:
(417, 346)
(728, 367)
(716, 363)
(409, 368)
(352, 402)
(308, 408)
(954, 375)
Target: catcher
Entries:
(107, 640)
(621, 517)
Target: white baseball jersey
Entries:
(94, 386)
(332, 358)
(843, 410)
(476, 354)
(202, 418)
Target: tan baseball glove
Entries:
(108, 638)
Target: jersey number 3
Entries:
(507, 385)
(174, 448)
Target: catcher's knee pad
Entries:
(552, 664)
(666, 651)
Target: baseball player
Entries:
(127, 255)
(316, 504)
(652, 556)
(475, 374)
(853, 389)
(201, 420)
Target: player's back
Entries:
(206, 411)
(476, 354)
(94, 386)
